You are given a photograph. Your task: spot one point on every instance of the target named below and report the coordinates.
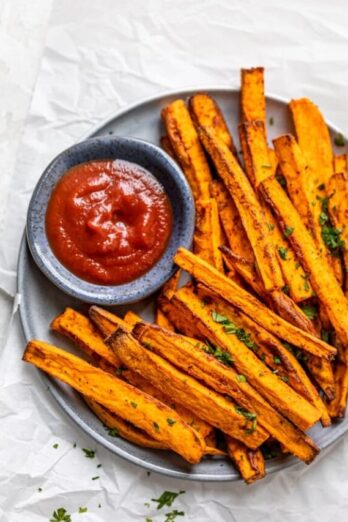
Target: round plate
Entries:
(41, 301)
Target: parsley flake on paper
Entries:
(60, 515)
(167, 498)
(89, 454)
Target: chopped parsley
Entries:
(284, 378)
(283, 252)
(60, 515)
(250, 417)
(90, 454)
(113, 432)
(55, 446)
(281, 180)
(95, 478)
(241, 378)
(231, 328)
(173, 514)
(331, 236)
(167, 498)
(271, 120)
(277, 360)
(321, 186)
(170, 421)
(310, 310)
(39, 490)
(134, 404)
(306, 283)
(156, 426)
(270, 226)
(332, 239)
(222, 356)
(83, 510)
(266, 166)
(339, 140)
(288, 231)
(286, 289)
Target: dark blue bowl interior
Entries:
(167, 173)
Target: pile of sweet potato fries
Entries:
(252, 352)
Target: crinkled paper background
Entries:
(98, 57)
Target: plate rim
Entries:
(276, 466)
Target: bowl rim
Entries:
(109, 295)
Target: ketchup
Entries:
(108, 221)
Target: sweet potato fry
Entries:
(253, 102)
(338, 211)
(249, 209)
(250, 464)
(321, 277)
(277, 392)
(314, 140)
(205, 112)
(261, 168)
(207, 237)
(131, 318)
(123, 428)
(193, 359)
(251, 306)
(270, 350)
(79, 329)
(105, 321)
(209, 405)
(337, 407)
(132, 405)
(188, 150)
(231, 222)
(162, 320)
(167, 146)
(341, 164)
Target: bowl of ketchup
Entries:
(107, 217)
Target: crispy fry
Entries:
(338, 211)
(261, 168)
(142, 410)
(314, 140)
(322, 278)
(162, 320)
(278, 393)
(341, 164)
(188, 150)
(207, 237)
(192, 358)
(123, 428)
(337, 407)
(250, 464)
(131, 318)
(270, 350)
(167, 146)
(253, 102)
(231, 222)
(79, 329)
(205, 112)
(249, 209)
(209, 405)
(251, 306)
(106, 321)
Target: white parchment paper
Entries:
(99, 57)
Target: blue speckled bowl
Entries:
(111, 147)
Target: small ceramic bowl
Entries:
(167, 173)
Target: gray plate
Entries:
(41, 301)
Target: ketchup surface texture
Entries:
(108, 221)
